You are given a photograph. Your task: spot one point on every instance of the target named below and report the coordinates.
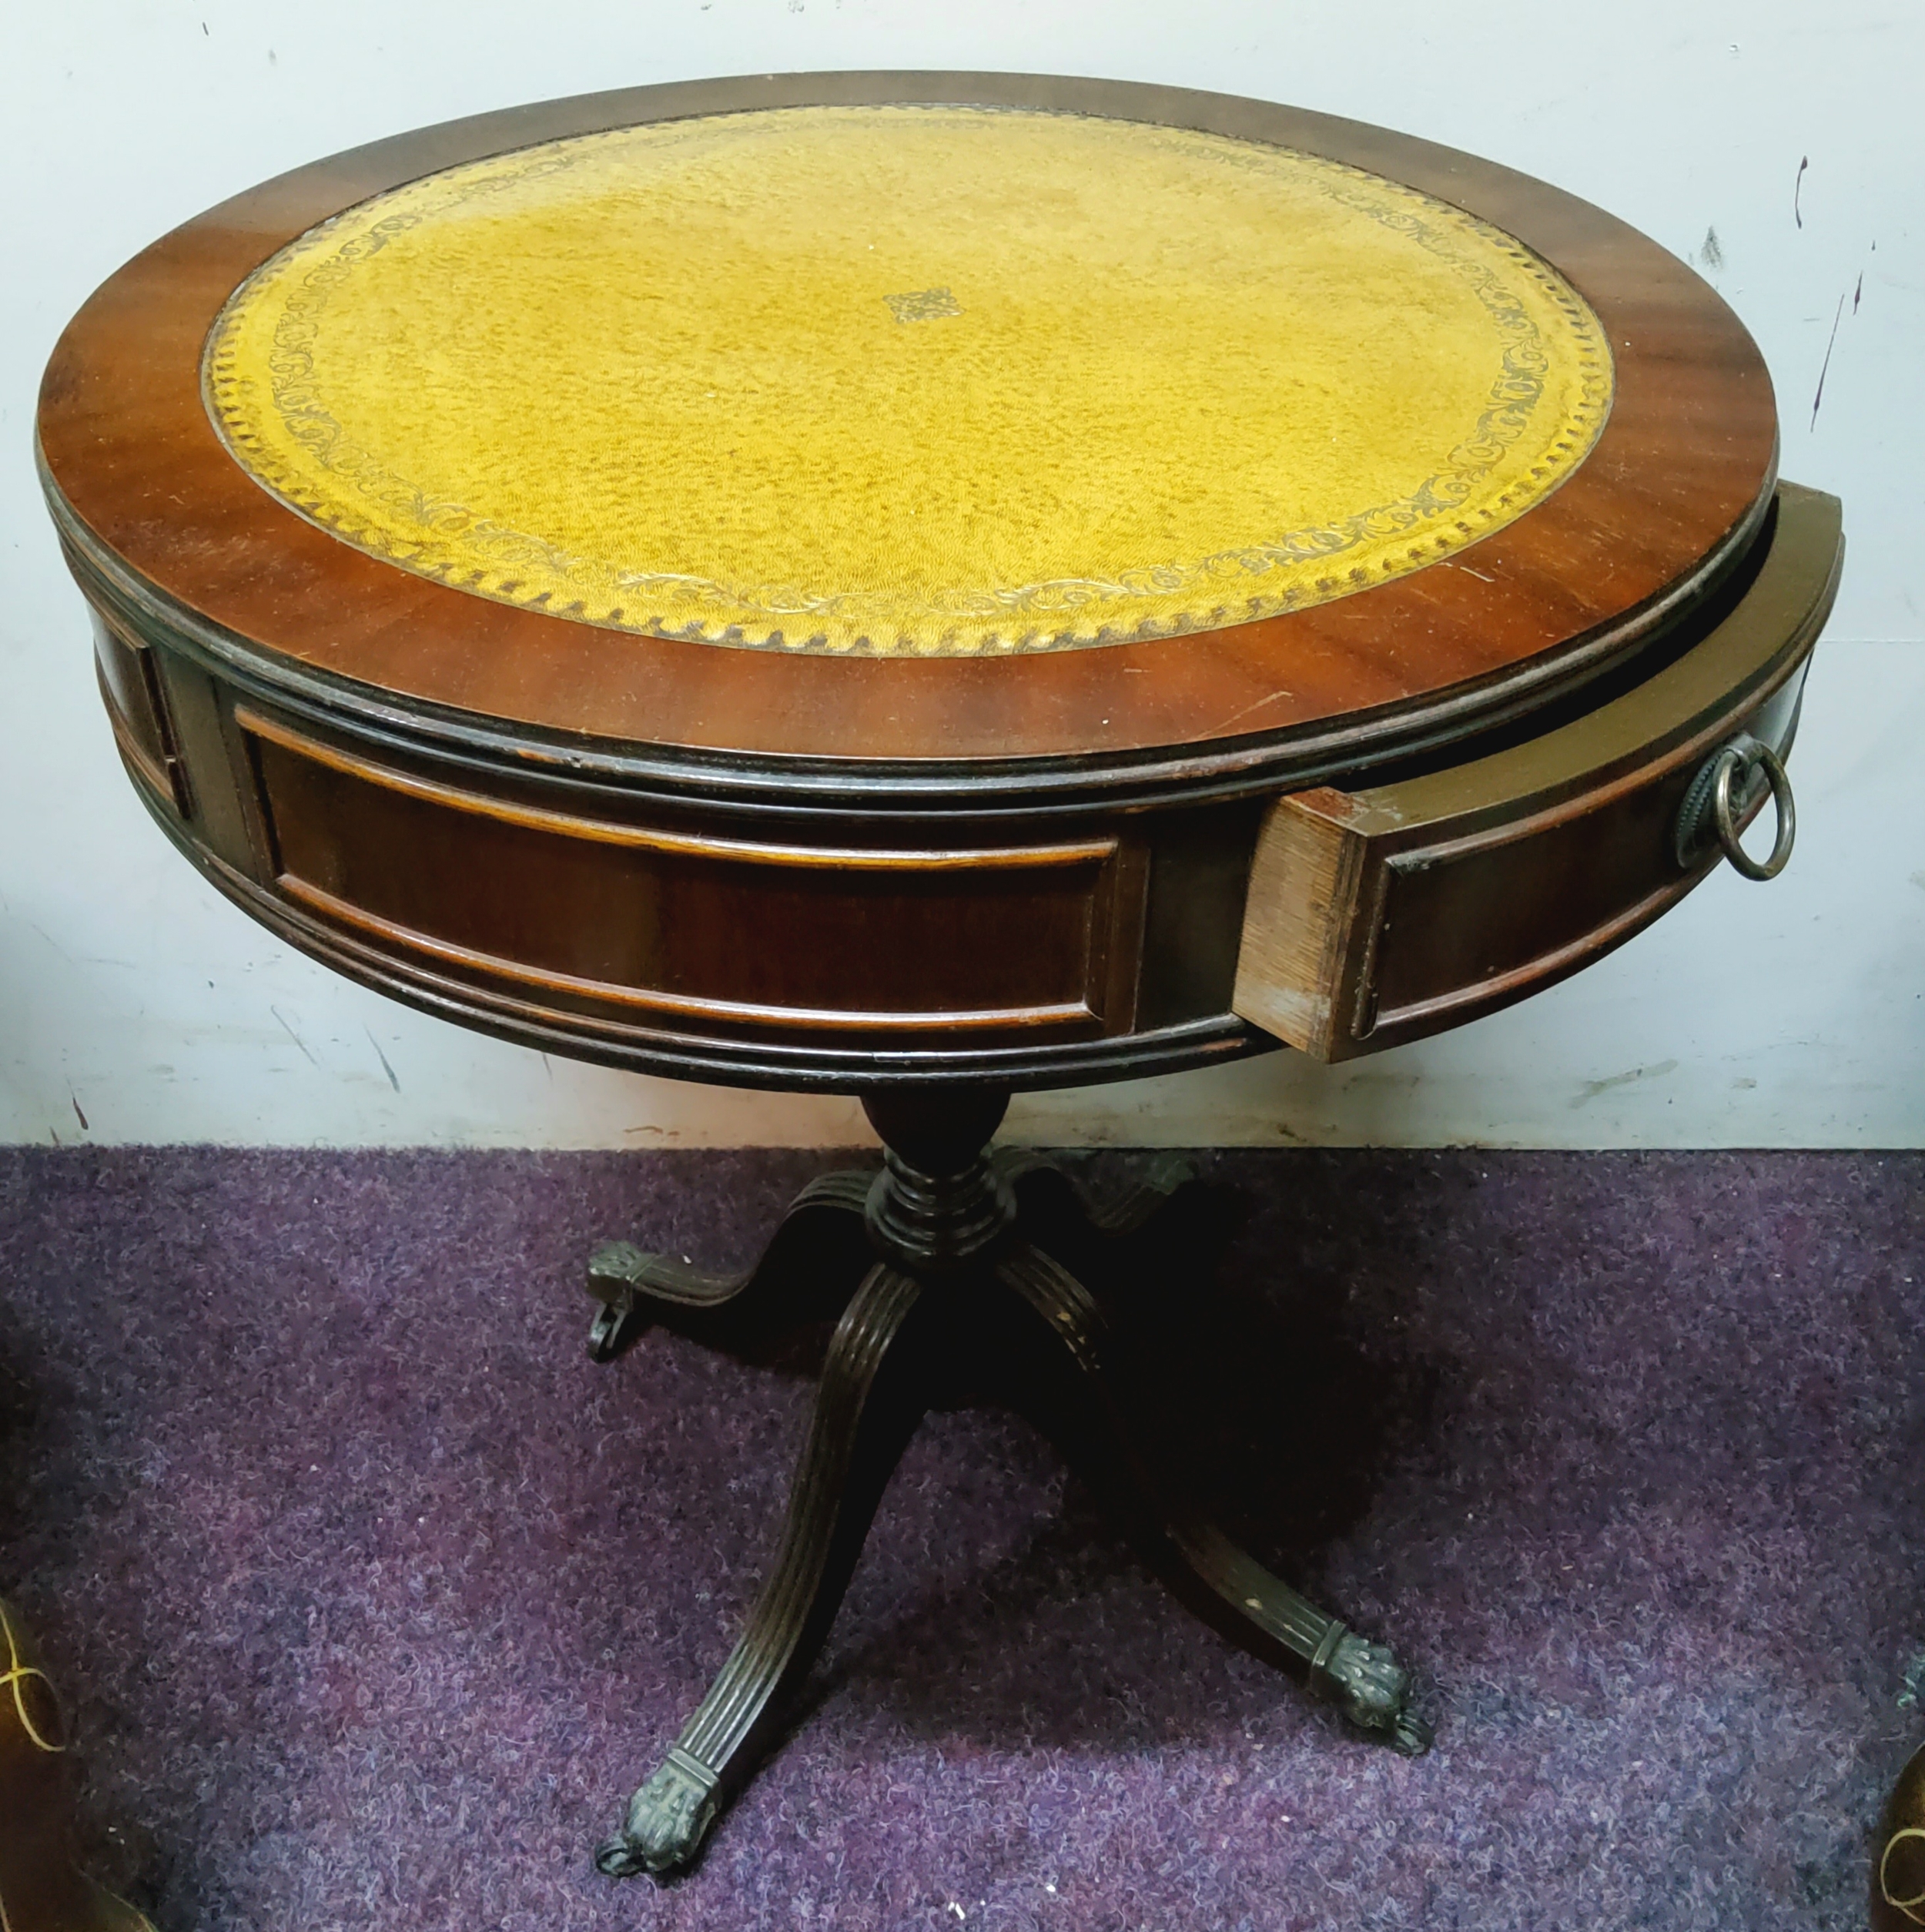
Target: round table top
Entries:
(955, 428)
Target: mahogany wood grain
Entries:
(590, 911)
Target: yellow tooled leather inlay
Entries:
(917, 380)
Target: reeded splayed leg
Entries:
(814, 1257)
(868, 1405)
(962, 1238)
(1226, 1587)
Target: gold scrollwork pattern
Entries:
(270, 390)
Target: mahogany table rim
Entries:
(1444, 730)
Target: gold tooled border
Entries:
(1514, 397)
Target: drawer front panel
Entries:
(137, 708)
(1497, 914)
(593, 914)
(1380, 915)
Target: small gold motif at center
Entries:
(922, 305)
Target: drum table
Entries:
(924, 586)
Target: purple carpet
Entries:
(372, 1597)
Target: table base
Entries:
(956, 1270)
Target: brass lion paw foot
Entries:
(1371, 1688)
(668, 1818)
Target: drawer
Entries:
(1380, 915)
(131, 688)
(652, 926)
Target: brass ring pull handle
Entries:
(1725, 786)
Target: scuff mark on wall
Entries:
(1825, 367)
(382, 1057)
(294, 1036)
(1590, 1090)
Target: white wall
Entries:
(1789, 1015)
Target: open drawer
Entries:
(1379, 916)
